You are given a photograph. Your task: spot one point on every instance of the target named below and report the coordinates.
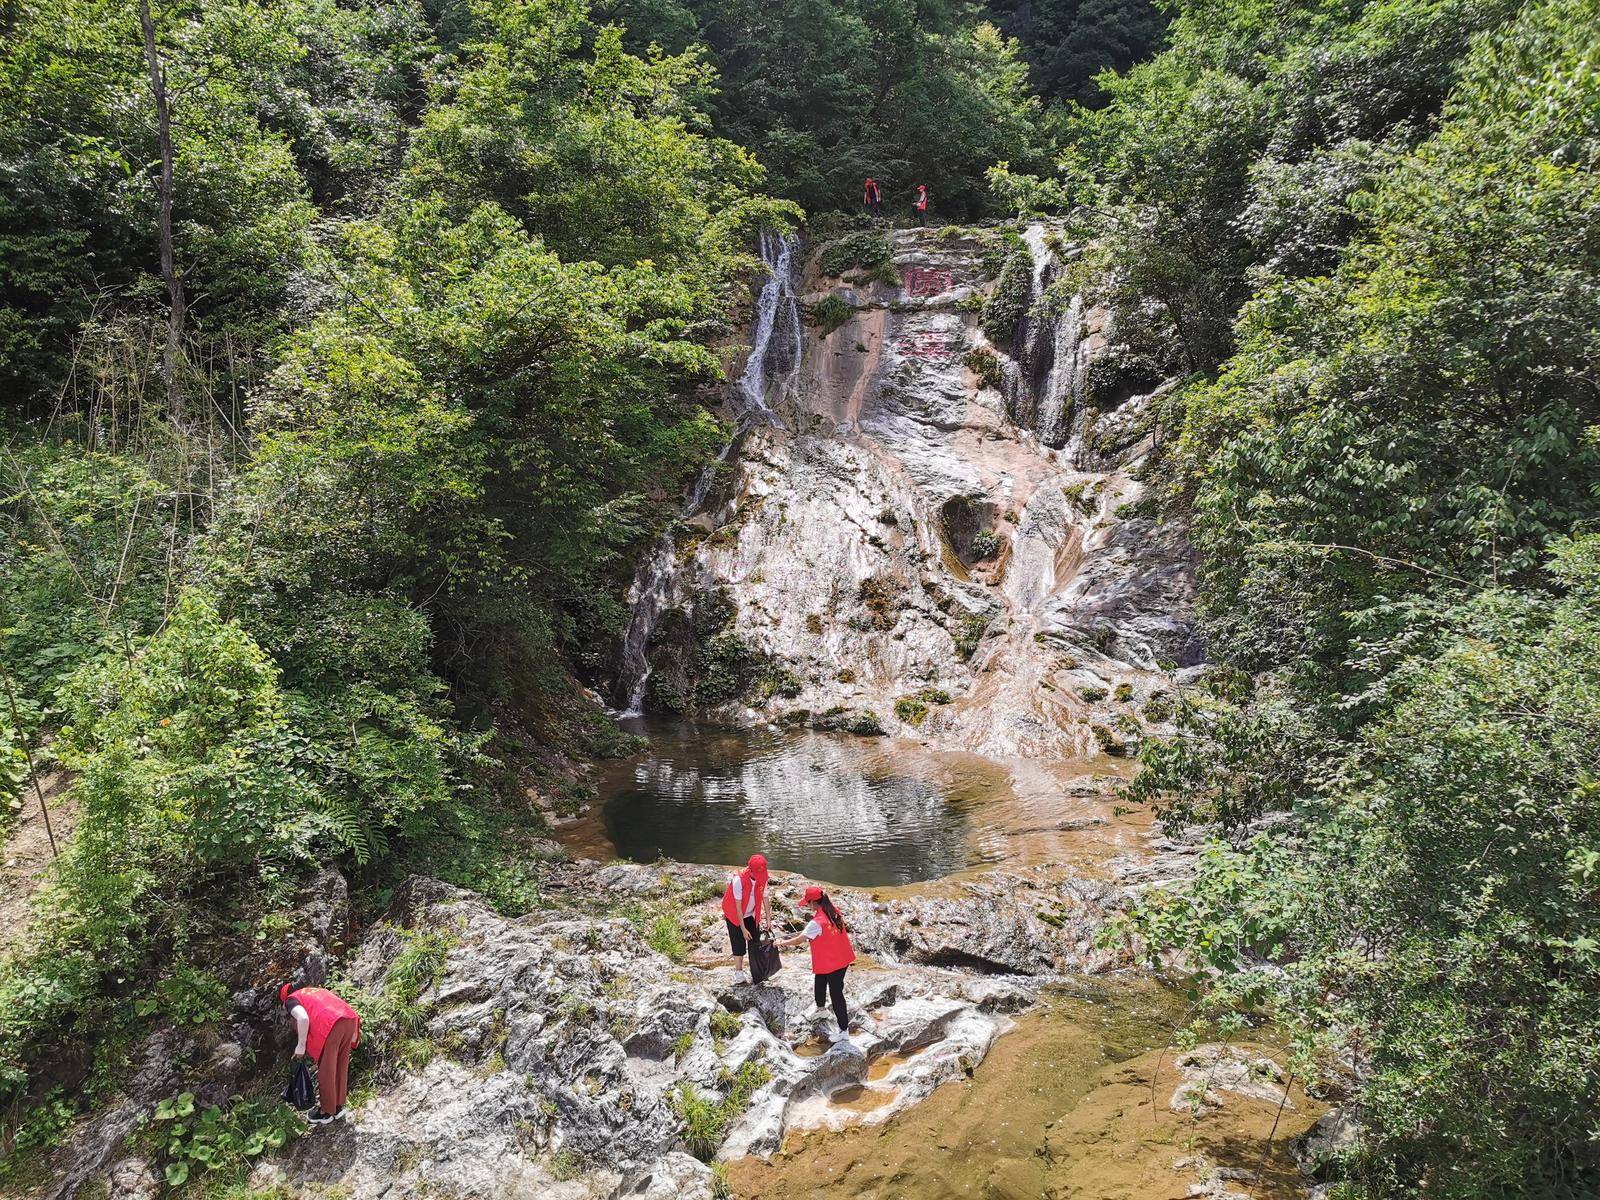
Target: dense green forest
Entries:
(354, 349)
(1370, 233)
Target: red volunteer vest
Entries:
(730, 907)
(324, 1009)
(830, 949)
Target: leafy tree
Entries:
(827, 92)
(1380, 478)
(1068, 43)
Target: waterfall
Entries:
(774, 360)
(1045, 389)
(775, 346)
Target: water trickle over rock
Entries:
(936, 534)
(771, 369)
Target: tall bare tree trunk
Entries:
(176, 305)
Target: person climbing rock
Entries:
(326, 1030)
(921, 204)
(746, 909)
(831, 955)
(872, 197)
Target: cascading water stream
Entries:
(774, 359)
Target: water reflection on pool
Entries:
(838, 809)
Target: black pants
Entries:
(737, 936)
(832, 984)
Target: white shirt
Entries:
(302, 1024)
(813, 929)
(744, 905)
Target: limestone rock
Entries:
(929, 511)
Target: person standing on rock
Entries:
(326, 1030)
(921, 204)
(831, 954)
(746, 909)
(872, 197)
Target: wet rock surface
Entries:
(933, 512)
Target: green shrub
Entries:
(866, 723)
(666, 937)
(1013, 293)
(13, 768)
(1122, 693)
(189, 996)
(1159, 708)
(911, 709)
(706, 1120)
(985, 364)
(1080, 496)
(724, 1024)
(985, 544)
(969, 633)
(212, 1140)
(829, 313)
(1093, 693)
(1108, 741)
(864, 251)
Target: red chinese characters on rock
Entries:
(925, 281)
(928, 346)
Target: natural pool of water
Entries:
(830, 808)
(863, 812)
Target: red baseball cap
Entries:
(813, 894)
(758, 865)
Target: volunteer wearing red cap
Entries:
(831, 953)
(327, 1029)
(746, 908)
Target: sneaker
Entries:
(320, 1118)
(820, 1010)
(839, 1035)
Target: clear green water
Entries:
(835, 808)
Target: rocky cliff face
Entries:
(940, 518)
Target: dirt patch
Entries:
(27, 852)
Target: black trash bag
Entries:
(300, 1091)
(764, 960)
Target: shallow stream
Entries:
(1072, 1104)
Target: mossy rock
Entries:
(1109, 742)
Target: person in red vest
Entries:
(831, 954)
(921, 204)
(327, 1029)
(872, 197)
(746, 909)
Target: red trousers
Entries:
(333, 1066)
